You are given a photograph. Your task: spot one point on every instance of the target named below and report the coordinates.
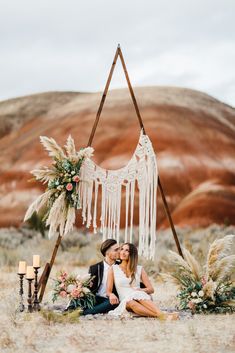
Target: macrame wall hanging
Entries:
(140, 172)
(91, 181)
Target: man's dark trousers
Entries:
(102, 306)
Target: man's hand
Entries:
(113, 299)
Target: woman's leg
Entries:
(151, 306)
(160, 314)
(139, 309)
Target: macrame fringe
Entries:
(141, 171)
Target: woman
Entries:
(127, 277)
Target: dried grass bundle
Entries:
(193, 264)
(218, 249)
(223, 268)
(212, 291)
(177, 260)
(52, 147)
(70, 220)
(44, 174)
(70, 149)
(38, 204)
(56, 215)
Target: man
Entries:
(110, 250)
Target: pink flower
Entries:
(63, 294)
(191, 305)
(69, 187)
(75, 293)
(62, 285)
(62, 276)
(76, 178)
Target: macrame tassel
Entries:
(132, 209)
(127, 209)
(95, 207)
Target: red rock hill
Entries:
(193, 135)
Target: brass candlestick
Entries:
(36, 305)
(30, 307)
(21, 292)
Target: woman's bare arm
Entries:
(146, 281)
(109, 288)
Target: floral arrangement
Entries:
(61, 198)
(205, 291)
(74, 288)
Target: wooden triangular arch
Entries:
(45, 275)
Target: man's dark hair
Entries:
(106, 245)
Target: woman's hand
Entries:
(148, 286)
(113, 299)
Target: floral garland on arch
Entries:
(208, 291)
(61, 198)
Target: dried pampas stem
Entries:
(70, 220)
(70, 149)
(44, 174)
(39, 203)
(52, 147)
(55, 217)
(218, 249)
(193, 264)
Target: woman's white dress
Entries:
(125, 290)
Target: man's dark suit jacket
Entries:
(97, 270)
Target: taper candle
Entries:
(36, 260)
(22, 268)
(30, 272)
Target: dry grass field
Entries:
(28, 333)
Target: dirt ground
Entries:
(28, 333)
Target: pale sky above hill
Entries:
(68, 45)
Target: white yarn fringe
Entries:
(141, 171)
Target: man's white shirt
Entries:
(102, 290)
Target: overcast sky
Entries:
(68, 45)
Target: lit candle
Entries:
(30, 272)
(36, 260)
(22, 268)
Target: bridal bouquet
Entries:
(61, 198)
(205, 291)
(74, 288)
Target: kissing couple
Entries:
(121, 285)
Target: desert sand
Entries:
(28, 333)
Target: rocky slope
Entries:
(193, 135)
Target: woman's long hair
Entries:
(133, 260)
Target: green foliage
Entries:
(37, 222)
(62, 318)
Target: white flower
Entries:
(199, 300)
(204, 306)
(85, 277)
(193, 294)
(194, 301)
(85, 290)
(201, 293)
(70, 288)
